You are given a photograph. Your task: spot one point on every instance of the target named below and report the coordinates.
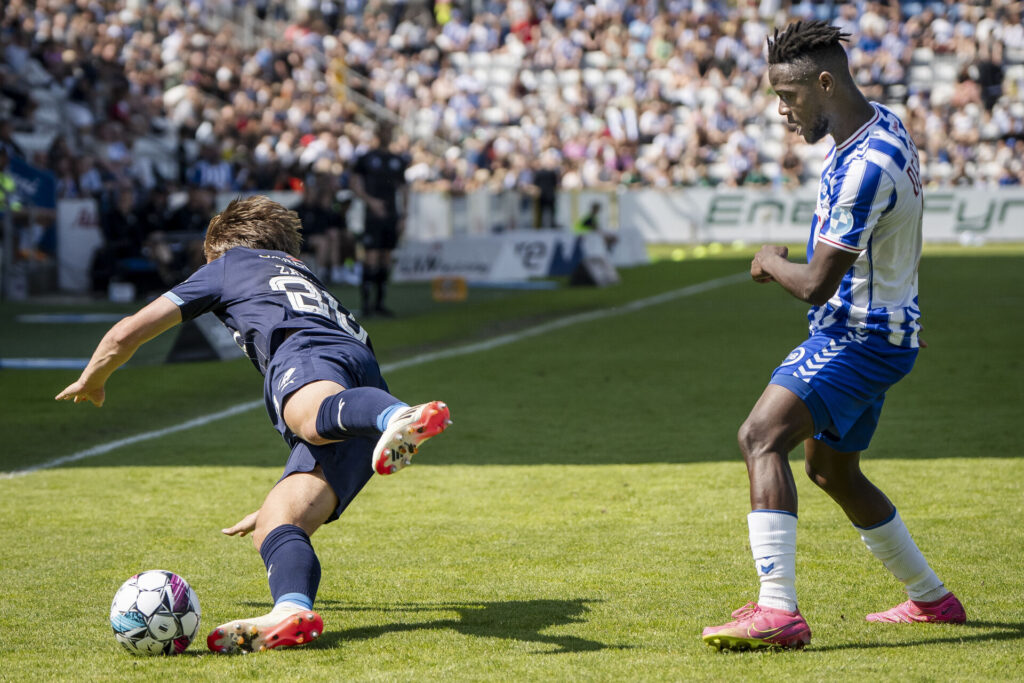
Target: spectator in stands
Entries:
(121, 250)
(545, 182)
(7, 139)
(212, 171)
(180, 246)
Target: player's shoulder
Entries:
(887, 143)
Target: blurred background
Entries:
(125, 124)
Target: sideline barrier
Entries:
(512, 256)
(636, 216)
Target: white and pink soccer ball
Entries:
(155, 613)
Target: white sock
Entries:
(773, 544)
(891, 543)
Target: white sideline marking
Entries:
(486, 345)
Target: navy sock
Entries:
(381, 280)
(354, 412)
(366, 286)
(293, 569)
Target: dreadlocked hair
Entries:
(804, 39)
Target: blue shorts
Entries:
(309, 355)
(842, 377)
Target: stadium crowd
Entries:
(216, 95)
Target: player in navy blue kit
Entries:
(323, 389)
(861, 281)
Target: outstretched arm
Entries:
(813, 282)
(117, 346)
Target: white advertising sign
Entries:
(78, 237)
(513, 256)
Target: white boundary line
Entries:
(486, 345)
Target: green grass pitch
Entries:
(582, 520)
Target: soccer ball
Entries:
(155, 613)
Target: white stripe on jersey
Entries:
(870, 203)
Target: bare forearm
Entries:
(799, 279)
(113, 351)
(814, 282)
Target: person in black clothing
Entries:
(546, 180)
(122, 241)
(314, 228)
(378, 179)
(184, 234)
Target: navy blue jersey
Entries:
(262, 296)
(383, 173)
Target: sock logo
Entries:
(269, 570)
(766, 568)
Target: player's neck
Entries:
(857, 112)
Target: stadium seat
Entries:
(569, 76)
(595, 59)
(922, 55)
(459, 60)
(945, 70)
(771, 169)
(592, 77)
(921, 75)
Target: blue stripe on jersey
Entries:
(846, 296)
(871, 272)
(890, 150)
(865, 200)
(893, 196)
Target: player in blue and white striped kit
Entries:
(323, 390)
(861, 281)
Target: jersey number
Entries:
(305, 297)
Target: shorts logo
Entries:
(795, 356)
(286, 379)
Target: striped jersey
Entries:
(870, 203)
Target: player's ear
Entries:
(827, 83)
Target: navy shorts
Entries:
(842, 377)
(380, 233)
(309, 355)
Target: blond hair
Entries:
(257, 222)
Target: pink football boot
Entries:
(756, 627)
(947, 609)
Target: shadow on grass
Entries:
(520, 620)
(952, 633)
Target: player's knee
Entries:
(817, 475)
(306, 430)
(829, 475)
(753, 439)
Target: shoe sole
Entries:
(403, 444)
(743, 644)
(929, 619)
(242, 636)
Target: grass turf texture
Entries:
(583, 519)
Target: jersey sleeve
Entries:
(863, 193)
(201, 292)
